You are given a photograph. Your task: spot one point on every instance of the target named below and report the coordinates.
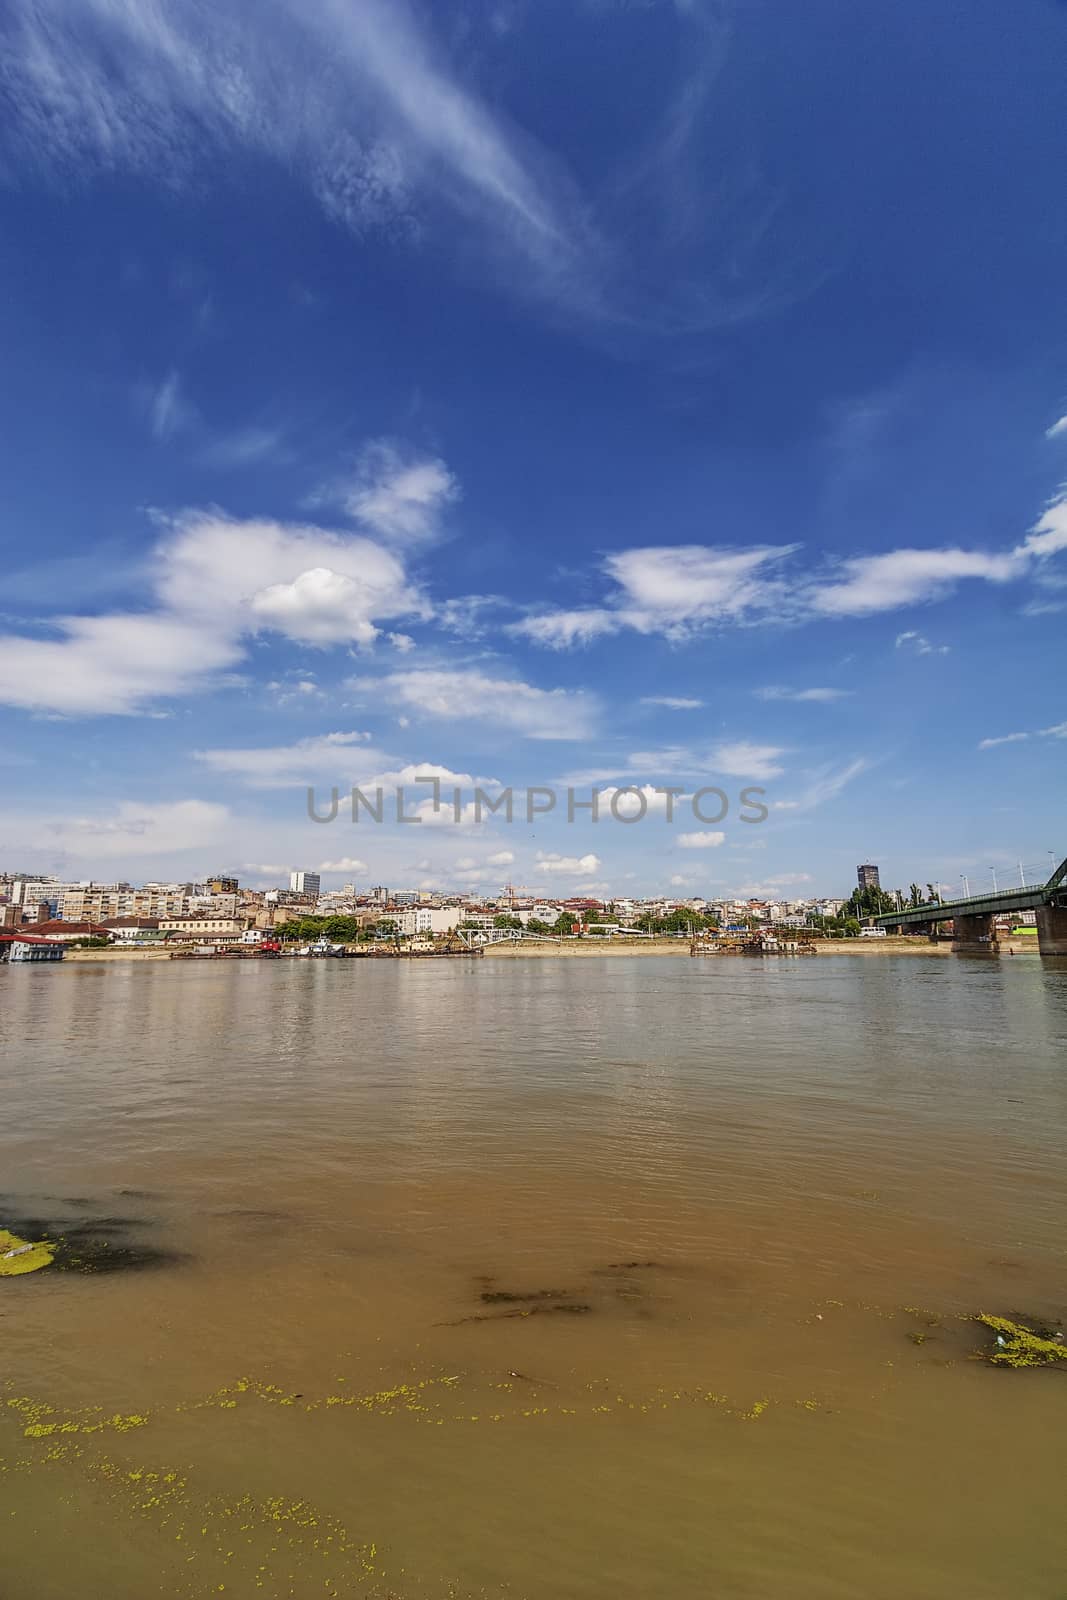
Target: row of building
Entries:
(219, 908)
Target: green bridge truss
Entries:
(1052, 893)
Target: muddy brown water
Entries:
(601, 1279)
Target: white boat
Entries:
(321, 947)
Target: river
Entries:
(547, 1280)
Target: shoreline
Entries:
(585, 949)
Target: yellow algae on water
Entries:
(20, 1255)
(1019, 1346)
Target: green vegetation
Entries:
(338, 929)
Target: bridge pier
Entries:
(1052, 930)
(975, 936)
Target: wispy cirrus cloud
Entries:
(1057, 731)
(815, 696)
(358, 99)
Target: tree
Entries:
(506, 921)
(565, 923)
(915, 895)
(535, 925)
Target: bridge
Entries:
(974, 919)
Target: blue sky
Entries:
(393, 389)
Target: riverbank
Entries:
(911, 946)
(580, 948)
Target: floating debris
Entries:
(495, 1297)
(18, 1256)
(86, 1245)
(565, 1308)
(1016, 1345)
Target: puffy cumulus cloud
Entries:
(396, 494)
(466, 694)
(553, 865)
(905, 577)
(311, 584)
(213, 583)
(347, 865)
(501, 858)
(635, 801)
(701, 841)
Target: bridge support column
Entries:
(977, 935)
(1052, 930)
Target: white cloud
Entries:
(169, 411)
(675, 584)
(466, 694)
(117, 663)
(745, 760)
(311, 584)
(822, 785)
(133, 829)
(633, 804)
(671, 702)
(820, 696)
(340, 757)
(561, 630)
(247, 447)
(501, 858)
(921, 646)
(396, 495)
(354, 100)
(701, 841)
(213, 582)
(1057, 731)
(905, 577)
(1057, 429)
(1049, 534)
(402, 642)
(347, 864)
(673, 590)
(565, 866)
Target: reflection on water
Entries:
(560, 1278)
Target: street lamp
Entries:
(966, 886)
